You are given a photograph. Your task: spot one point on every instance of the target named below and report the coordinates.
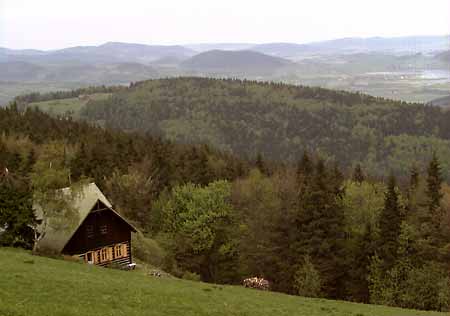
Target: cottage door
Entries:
(89, 258)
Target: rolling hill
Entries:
(76, 72)
(444, 56)
(280, 121)
(443, 102)
(36, 286)
(19, 70)
(285, 50)
(248, 62)
(111, 52)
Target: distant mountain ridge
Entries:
(246, 61)
(107, 53)
(145, 53)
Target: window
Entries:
(104, 254)
(90, 231)
(103, 229)
(118, 251)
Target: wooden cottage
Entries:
(96, 233)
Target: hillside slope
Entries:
(281, 121)
(36, 286)
(247, 62)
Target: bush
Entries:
(427, 288)
(147, 250)
(307, 280)
(192, 276)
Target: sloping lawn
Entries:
(37, 286)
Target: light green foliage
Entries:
(427, 288)
(407, 150)
(132, 192)
(193, 212)
(199, 223)
(363, 203)
(258, 203)
(69, 106)
(409, 283)
(307, 280)
(50, 174)
(32, 286)
(50, 171)
(147, 250)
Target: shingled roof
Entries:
(82, 202)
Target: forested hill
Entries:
(226, 62)
(281, 121)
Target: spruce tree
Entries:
(414, 177)
(434, 194)
(261, 165)
(305, 168)
(390, 224)
(358, 174)
(320, 225)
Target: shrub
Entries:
(192, 276)
(147, 250)
(307, 280)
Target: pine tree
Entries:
(414, 177)
(434, 194)
(305, 170)
(261, 165)
(320, 223)
(29, 162)
(390, 225)
(366, 249)
(358, 175)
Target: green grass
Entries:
(32, 285)
(62, 106)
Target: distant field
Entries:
(38, 286)
(62, 106)
(9, 90)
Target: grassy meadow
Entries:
(63, 106)
(39, 286)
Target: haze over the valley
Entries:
(395, 49)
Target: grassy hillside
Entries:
(36, 286)
(69, 105)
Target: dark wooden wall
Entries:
(92, 234)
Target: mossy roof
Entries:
(82, 202)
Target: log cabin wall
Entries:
(119, 254)
(101, 228)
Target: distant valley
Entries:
(415, 69)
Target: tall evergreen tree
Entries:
(320, 232)
(305, 167)
(261, 164)
(414, 177)
(434, 194)
(358, 174)
(390, 224)
(16, 212)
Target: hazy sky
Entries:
(49, 24)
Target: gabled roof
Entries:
(82, 203)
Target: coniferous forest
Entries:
(346, 201)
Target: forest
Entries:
(279, 121)
(316, 221)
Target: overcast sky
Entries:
(50, 24)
